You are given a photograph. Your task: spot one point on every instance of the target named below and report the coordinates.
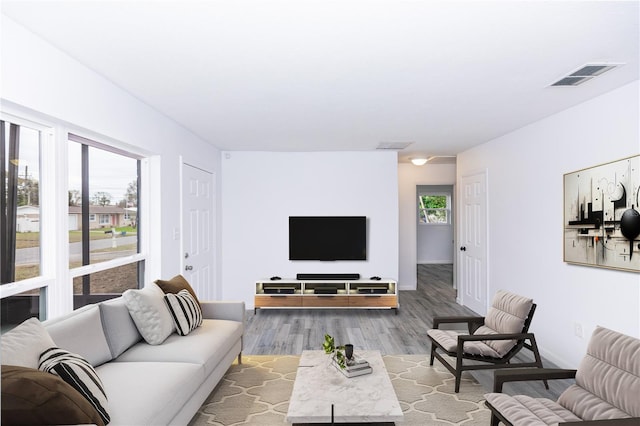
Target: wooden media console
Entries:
(356, 294)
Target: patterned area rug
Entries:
(257, 393)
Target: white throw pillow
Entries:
(186, 312)
(149, 313)
(23, 344)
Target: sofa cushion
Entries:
(608, 378)
(77, 371)
(148, 393)
(185, 311)
(81, 332)
(524, 410)
(119, 329)
(206, 346)
(33, 397)
(149, 313)
(175, 284)
(23, 344)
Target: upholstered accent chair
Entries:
(606, 390)
(494, 339)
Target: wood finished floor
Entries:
(290, 331)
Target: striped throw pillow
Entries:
(185, 310)
(76, 371)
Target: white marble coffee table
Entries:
(363, 399)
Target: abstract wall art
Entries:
(602, 215)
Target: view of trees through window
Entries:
(433, 208)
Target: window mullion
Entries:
(3, 203)
(12, 204)
(55, 223)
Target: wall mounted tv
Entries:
(327, 238)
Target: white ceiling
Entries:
(346, 75)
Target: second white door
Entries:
(198, 231)
(472, 265)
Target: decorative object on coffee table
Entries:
(336, 352)
(348, 351)
(354, 366)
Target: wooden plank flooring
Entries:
(290, 331)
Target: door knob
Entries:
(463, 248)
(188, 268)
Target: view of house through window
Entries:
(103, 219)
(434, 208)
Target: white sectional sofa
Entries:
(147, 384)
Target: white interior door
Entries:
(198, 235)
(472, 272)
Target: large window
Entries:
(20, 200)
(20, 147)
(434, 209)
(97, 212)
(103, 185)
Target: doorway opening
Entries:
(435, 234)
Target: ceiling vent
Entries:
(393, 146)
(584, 74)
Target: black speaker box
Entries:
(342, 276)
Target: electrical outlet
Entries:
(577, 329)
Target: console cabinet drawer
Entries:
(373, 301)
(275, 301)
(329, 301)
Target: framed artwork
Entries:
(602, 216)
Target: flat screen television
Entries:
(327, 238)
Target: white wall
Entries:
(435, 241)
(525, 207)
(409, 177)
(260, 190)
(40, 80)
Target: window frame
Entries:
(46, 183)
(98, 142)
(55, 281)
(447, 209)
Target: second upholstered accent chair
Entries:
(494, 339)
(606, 389)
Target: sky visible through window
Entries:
(110, 173)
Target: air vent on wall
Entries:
(584, 74)
(395, 146)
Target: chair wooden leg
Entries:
(458, 377)
(494, 420)
(433, 353)
(459, 365)
(536, 354)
